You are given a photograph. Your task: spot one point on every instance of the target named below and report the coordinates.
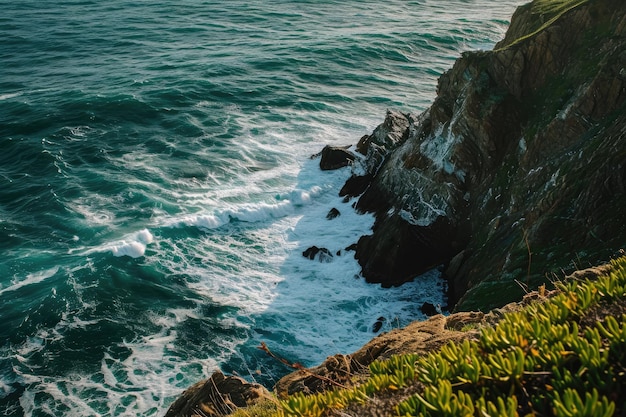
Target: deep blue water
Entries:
(156, 191)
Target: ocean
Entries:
(157, 190)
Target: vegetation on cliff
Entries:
(546, 12)
(563, 355)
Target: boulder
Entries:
(333, 213)
(334, 157)
(219, 395)
(322, 254)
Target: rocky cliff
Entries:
(545, 333)
(518, 167)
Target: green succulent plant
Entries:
(537, 361)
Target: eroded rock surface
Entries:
(517, 168)
(217, 396)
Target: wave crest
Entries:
(250, 212)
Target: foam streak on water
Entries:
(156, 190)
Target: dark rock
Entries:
(454, 265)
(352, 247)
(332, 213)
(385, 138)
(429, 309)
(398, 251)
(334, 157)
(356, 185)
(311, 252)
(378, 325)
(322, 254)
(217, 396)
(451, 271)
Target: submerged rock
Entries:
(321, 254)
(333, 213)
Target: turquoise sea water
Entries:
(156, 190)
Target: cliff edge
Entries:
(517, 169)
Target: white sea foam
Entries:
(248, 260)
(144, 381)
(93, 215)
(324, 307)
(133, 245)
(132, 249)
(249, 212)
(9, 95)
(312, 293)
(32, 278)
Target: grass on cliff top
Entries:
(546, 12)
(562, 356)
(554, 7)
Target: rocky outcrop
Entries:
(340, 369)
(321, 254)
(217, 396)
(517, 168)
(335, 157)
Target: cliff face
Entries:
(518, 167)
